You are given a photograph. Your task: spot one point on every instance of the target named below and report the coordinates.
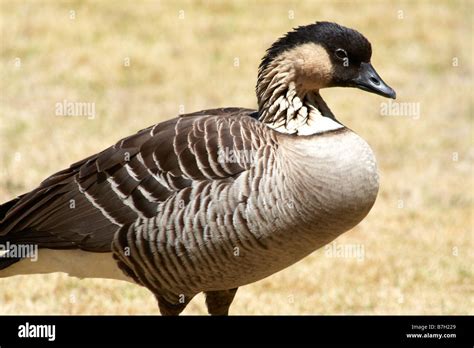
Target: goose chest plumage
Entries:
(216, 199)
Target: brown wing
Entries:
(84, 205)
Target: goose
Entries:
(216, 199)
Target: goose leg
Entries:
(218, 302)
(167, 308)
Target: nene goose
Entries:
(213, 200)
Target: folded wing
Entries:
(84, 205)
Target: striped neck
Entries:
(288, 107)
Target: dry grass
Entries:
(418, 238)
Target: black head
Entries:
(347, 56)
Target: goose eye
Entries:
(340, 53)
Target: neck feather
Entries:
(287, 107)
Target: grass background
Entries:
(417, 240)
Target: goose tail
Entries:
(5, 260)
(5, 207)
